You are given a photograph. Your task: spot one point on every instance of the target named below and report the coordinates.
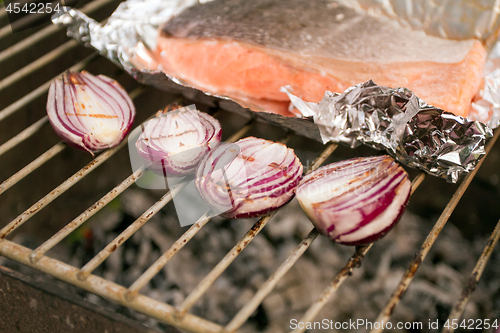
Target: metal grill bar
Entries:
(107, 289)
(45, 32)
(27, 214)
(178, 315)
(37, 64)
(322, 157)
(24, 22)
(29, 131)
(91, 211)
(27, 42)
(429, 241)
(17, 105)
(242, 131)
(3, 13)
(17, 222)
(131, 297)
(469, 288)
(137, 224)
(165, 258)
(245, 313)
(42, 158)
(202, 287)
(354, 261)
(48, 57)
(31, 167)
(179, 244)
(5, 31)
(269, 285)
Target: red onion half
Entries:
(89, 112)
(356, 201)
(174, 142)
(249, 178)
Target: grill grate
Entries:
(131, 297)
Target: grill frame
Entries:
(130, 297)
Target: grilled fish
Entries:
(249, 49)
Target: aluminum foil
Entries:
(422, 136)
(414, 133)
(456, 19)
(486, 105)
(130, 30)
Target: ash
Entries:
(437, 284)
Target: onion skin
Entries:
(174, 142)
(257, 177)
(357, 201)
(89, 112)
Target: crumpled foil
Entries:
(131, 29)
(422, 136)
(413, 132)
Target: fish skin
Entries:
(249, 49)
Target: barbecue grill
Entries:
(29, 61)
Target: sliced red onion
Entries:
(356, 201)
(249, 178)
(89, 112)
(174, 142)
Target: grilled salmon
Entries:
(249, 49)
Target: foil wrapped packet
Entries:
(414, 133)
(131, 33)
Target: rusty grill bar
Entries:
(131, 296)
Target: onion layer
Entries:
(356, 201)
(89, 112)
(249, 178)
(174, 142)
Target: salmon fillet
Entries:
(249, 49)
